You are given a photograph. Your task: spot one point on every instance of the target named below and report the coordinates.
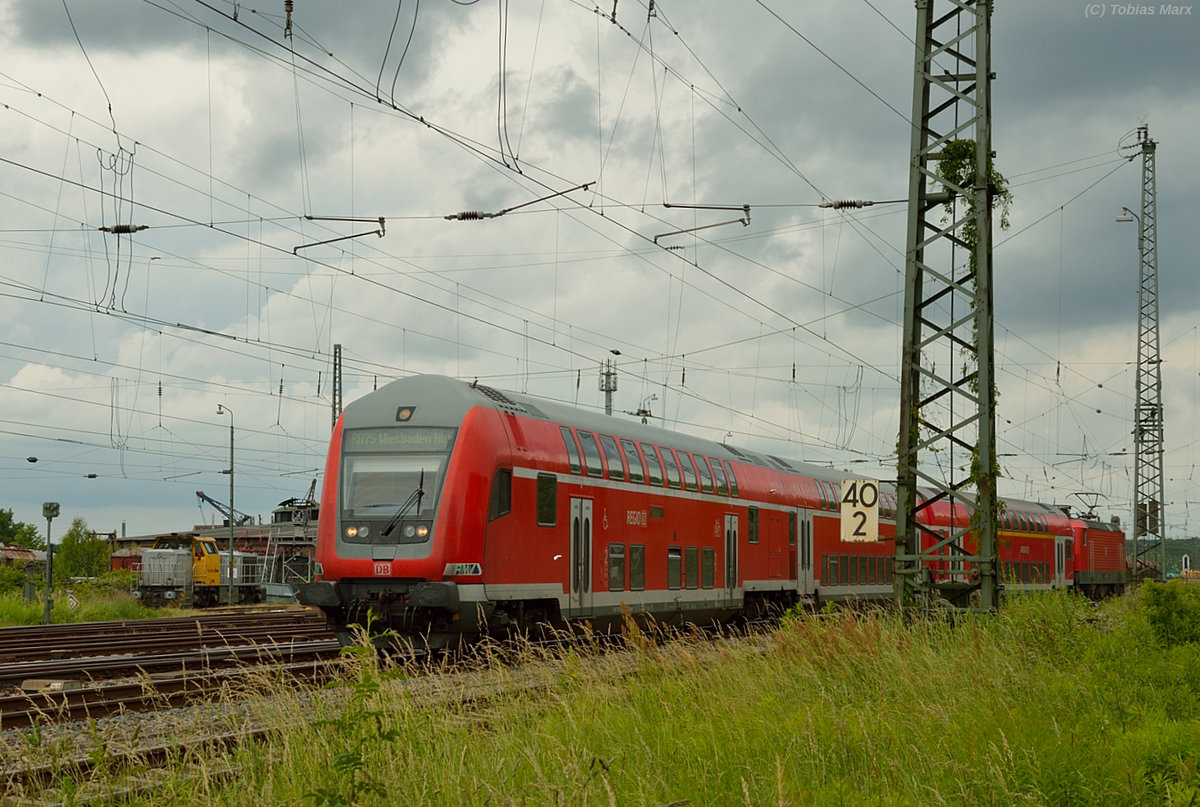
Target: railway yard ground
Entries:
(1054, 701)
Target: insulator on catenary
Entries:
(843, 203)
(469, 215)
(125, 229)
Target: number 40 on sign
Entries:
(860, 510)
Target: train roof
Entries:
(451, 399)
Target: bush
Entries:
(11, 579)
(1173, 610)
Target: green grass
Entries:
(1055, 702)
(14, 610)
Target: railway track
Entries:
(147, 636)
(62, 673)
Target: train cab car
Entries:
(452, 509)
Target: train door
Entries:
(804, 570)
(1062, 553)
(581, 557)
(731, 554)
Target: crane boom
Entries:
(238, 517)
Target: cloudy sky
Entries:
(236, 140)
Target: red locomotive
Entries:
(455, 509)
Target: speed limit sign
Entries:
(860, 510)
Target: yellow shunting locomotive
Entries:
(188, 569)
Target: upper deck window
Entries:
(733, 487)
(637, 471)
(616, 463)
(591, 454)
(719, 476)
(706, 480)
(668, 458)
(572, 450)
(654, 471)
(689, 470)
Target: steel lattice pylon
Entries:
(1149, 524)
(946, 451)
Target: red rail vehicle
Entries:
(456, 509)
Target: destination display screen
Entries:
(402, 438)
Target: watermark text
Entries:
(1137, 10)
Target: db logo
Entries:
(381, 569)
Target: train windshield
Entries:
(384, 467)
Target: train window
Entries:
(689, 470)
(572, 450)
(752, 525)
(792, 528)
(547, 500)
(377, 485)
(708, 562)
(637, 472)
(637, 567)
(616, 567)
(872, 571)
(844, 569)
(674, 564)
(854, 569)
(825, 578)
(719, 476)
(691, 567)
(654, 472)
(706, 481)
(591, 454)
(732, 478)
(1067, 547)
(862, 568)
(821, 494)
(668, 458)
(501, 504)
(616, 463)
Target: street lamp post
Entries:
(221, 410)
(50, 511)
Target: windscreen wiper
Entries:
(413, 498)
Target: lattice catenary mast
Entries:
(1149, 527)
(947, 392)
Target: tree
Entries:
(80, 554)
(18, 533)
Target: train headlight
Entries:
(423, 531)
(410, 531)
(357, 532)
(352, 532)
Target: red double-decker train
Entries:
(452, 509)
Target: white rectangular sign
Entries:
(860, 510)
